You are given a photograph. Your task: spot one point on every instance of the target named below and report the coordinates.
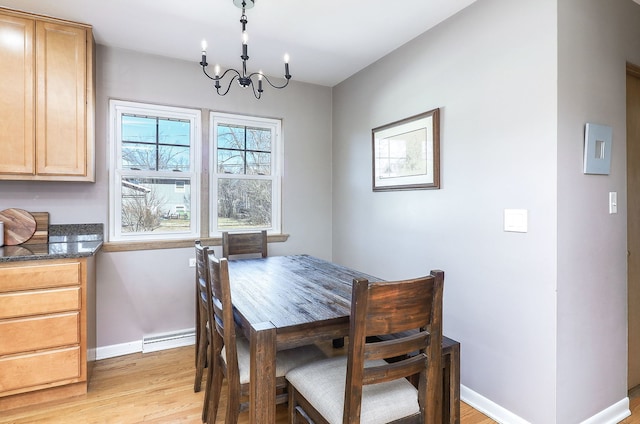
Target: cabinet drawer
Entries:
(39, 302)
(45, 332)
(19, 372)
(15, 278)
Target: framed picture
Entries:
(406, 153)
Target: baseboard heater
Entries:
(156, 342)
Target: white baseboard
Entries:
(105, 352)
(151, 343)
(612, 415)
(489, 408)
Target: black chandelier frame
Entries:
(244, 79)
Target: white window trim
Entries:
(277, 159)
(116, 109)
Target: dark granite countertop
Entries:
(65, 241)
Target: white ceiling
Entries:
(328, 40)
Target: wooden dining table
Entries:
(282, 302)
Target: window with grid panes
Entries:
(155, 168)
(245, 173)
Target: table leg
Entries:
(450, 381)
(454, 384)
(262, 394)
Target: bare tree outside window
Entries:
(155, 144)
(244, 202)
(140, 208)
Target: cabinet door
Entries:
(17, 136)
(61, 61)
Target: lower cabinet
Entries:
(47, 329)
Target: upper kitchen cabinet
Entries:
(46, 99)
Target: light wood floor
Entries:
(157, 388)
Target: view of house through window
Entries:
(154, 205)
(156, 144)
(246, 177)
(156, 162)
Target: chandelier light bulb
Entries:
(287, 75)
(203, 62)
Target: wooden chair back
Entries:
(221, 313)
(244, 243)
(202, 275)
(223, 335)
(380, 308)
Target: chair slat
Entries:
(394, 370)
(397, 347)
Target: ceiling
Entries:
(327, 40)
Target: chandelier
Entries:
(244, 79)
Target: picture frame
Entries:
(406, 153)
(597, 149)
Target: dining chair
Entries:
(202, 274)
(244, 243)
(370, 385)
(229, 352)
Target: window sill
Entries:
(122, 246)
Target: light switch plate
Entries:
(516, 220)
(613, 202)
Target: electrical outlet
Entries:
(192, 262)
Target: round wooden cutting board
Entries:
(19, 226)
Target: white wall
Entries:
(492, 71)
(148, 292)
(595, 40)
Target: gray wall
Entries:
(596, 39)
(541, 315)
(148, 292)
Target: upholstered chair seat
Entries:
(322, 383)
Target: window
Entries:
(245, 173)
(155, 165)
